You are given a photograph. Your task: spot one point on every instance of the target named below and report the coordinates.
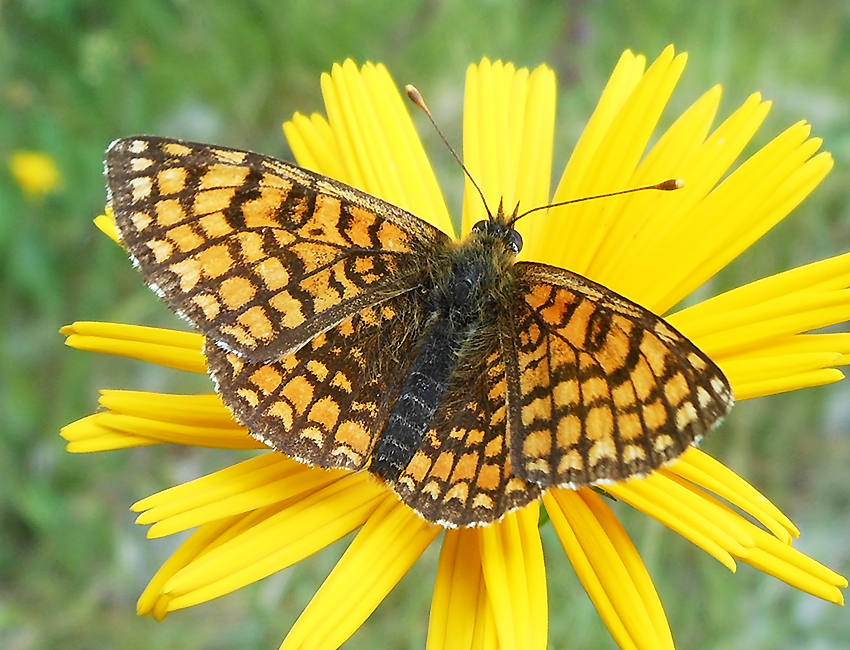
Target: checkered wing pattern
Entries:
(600, 389)
(259, 255)
(325, 403)
(461, 474)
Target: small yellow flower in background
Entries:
(269, 512)
(35, 172)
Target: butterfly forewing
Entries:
(602, 388)
(258, 254)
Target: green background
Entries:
(75, 75)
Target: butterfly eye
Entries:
(481, 226)
(514, 240)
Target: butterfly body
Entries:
(347, 332)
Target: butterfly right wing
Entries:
(599, 388)
(258, 254)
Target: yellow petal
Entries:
(386, 547)
(512, 563)
(369, 141)
(609, 568)
(180, 350)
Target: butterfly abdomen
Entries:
(461, 306)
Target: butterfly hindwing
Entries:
(603, 389)
(325, 403)
(258, 254)
(461, 473)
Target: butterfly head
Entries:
(500, 227)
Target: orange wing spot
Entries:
(266, 378)
(215, 225)
(615, 351)
(228, 155)
(629, 426)
(358, 232)
(483, 501)
(676, 389)
(185, 238)
(662, 443)
(283, 412)
(568, 432)
(466, 467)
(257, 323)
(213, 200)
(624, 395)
(299, 392)
(251, 247)
(685, 415)
(249, 396)
(141, 220)
(273, 273)
(632, 453)
(537, 444)
(443, 466)
(236, 292)
(566, 393)
(223, 176)
(539, 295)
(173, 149)
(313, 434)
(140, 164)
(459, 491)
(643, 380)
(340, 380)
(318, 369)
(161, 249)
(655, 352)
(208, 303)
(600, 423)
(263, 211)
(593, 389)
(515, 484)
(391, 237)
(489, 477)
(655, 415)
(576, 329)
(418, 467)
(538, 409)
(697, 361)
(169, 212)
(326, 412)
(432, 489)
(570, 461)
(188, 271)
(355, 435)
(290, 307)
(494, 447)
(171, 180)
(215, 261)
(602, 450)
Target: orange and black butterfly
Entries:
(347, 332)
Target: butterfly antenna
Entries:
(416, 97)
(668, 185)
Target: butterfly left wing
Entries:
(258, 254)
(599, 388)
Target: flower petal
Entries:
(136, 419)
(512, 564)
(374, 144)
(508, 128)
(386, 547)
(610, 569)
(169, 348)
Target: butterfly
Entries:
(348, 333)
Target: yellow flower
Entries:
(35, 172)
(270, 512)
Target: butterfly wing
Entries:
(461, 473)
(599, 388)
(325, 403)
(260, 255)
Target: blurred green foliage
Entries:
(76, 74)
